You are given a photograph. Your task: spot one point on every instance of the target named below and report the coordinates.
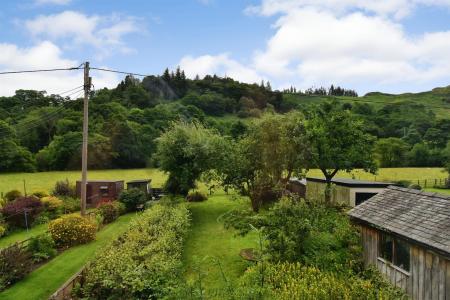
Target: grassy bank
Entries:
(209, 242)
(44, 281)
(22, 234)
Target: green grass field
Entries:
(209, 242)
(46, 180)
(44, 281)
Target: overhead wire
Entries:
(40, 70)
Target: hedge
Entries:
(144, 263)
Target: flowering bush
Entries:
(3, 229)
(295, 281)
(52, 203)
(70, 230)
(144, 263)
(109, 211)
(14, 212)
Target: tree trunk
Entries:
(328, 190)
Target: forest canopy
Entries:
(41, 132)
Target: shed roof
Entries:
(352, 182)
(102, 181)
(140, 181)
(417, 216)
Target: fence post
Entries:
(26, 219)
(425, 183)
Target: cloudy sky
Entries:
(378, 45)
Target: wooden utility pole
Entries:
(84, 151)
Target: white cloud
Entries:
(220, 65)
(43, 56)
(57, 2)
(106, 34)
(357, 44)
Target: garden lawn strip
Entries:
(21, 235)
(209, 239)
(44, 281)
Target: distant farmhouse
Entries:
(347, 192)
(406, 235)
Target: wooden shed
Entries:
(101, 190)
(349, 192)
(297, 186)
(142, 184)
(406, 234)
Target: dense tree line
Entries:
(43, 132)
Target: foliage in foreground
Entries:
(144, 263)
(15, 263)
(298, 231)
(283, 281)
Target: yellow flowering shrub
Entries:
(70, 230)
(51, 203)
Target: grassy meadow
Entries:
(46, 180)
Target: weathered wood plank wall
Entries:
(429, 274)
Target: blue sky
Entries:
(385, 45)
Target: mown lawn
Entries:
(209, 242)
(20, 235)
(46, 180)
(390, 174)
(44, 281)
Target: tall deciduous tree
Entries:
(12, 156)
(391, 152)
(260, 164)
(338, 142)
(186, 151)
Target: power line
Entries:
(120, 72)
(40, 70)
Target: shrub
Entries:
(132, 198)
(120, 207)
(144, 263)
(14, 211)
(242, 220)
(15, 263)
(52, 203)
(70, 204)
(40, 194)
(109, 211)
(70, 230)
(43, 218)
(294, 281)
(196, 197)
(12, 195)
(41, 247)
(64, 188)
(402, 183)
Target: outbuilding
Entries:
(349, 192)
(405, 233)
(100, 190)
(142, 184)
(297, 186)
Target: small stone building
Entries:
(406, 234)
(349, 192)
(100, 190)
